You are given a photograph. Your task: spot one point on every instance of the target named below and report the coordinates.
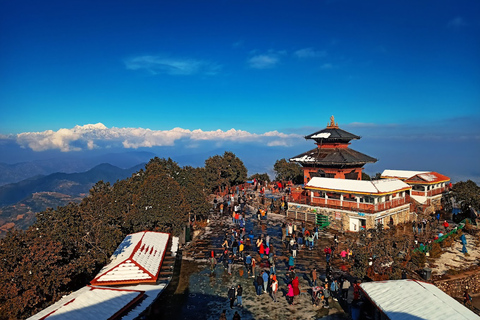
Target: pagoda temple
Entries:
(332, 158)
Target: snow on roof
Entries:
(428, 176)
(91, 303)
(401, 174)
(83, 303)
(412, 299)
(360, 186)
(152, 291)
(303, 159)
(321, 135)
(419, 199)
(137, 259)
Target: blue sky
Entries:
(388, 69)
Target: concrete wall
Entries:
(340, 219)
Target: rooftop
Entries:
(91, 303)
(376, 187)
(333, 157)
(137, 260)
(416, 177)
(399, 300)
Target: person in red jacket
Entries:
(445, 225)
(296, 289)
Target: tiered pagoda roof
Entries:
(332, 134)
(333, 157)
(332, 149)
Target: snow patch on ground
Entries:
(453, 258)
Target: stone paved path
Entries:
(204, 295)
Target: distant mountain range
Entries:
(32, 181)
(68, 163)
(20, 201)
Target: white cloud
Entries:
(172, 66)
(92, 136)
(91, 145)
(263, 61)
(456, 22)
(309, 53)
(278, 143)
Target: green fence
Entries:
(460, 226)
(322, 221)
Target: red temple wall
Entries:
(337, 173)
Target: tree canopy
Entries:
(64, 249)
(260, 177)
(467, 193)
(224, 171)
(288, 171)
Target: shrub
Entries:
(418, 260)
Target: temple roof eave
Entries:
(339, 191)
(331, 164)
(334, 156)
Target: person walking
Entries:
(254, 264)
(236, 316)
(241, 247)
(274, 288)
(273, 269)
(265, 281)
(239, 296)
(291, 263)
(213, 263)
(343, 254)
(326, 295)
(230, 263)
(467, 299)
(290, 294)
(334, 289)
(259, 283)
(231, 296)
(295, 284)
(261, 250)
(235, 247)
(345, 288)
(314, 277)
(248, 264)
(223, 315)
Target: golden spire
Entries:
(332, 123)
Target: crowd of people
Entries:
(256, 253)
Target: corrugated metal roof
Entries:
(401, 174)
(412, 299)
(358, 186)
(91, 303)
(427, 178)
(137, 260)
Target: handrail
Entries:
(460, 226)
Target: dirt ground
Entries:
(453, 258)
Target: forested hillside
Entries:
(66, 247)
